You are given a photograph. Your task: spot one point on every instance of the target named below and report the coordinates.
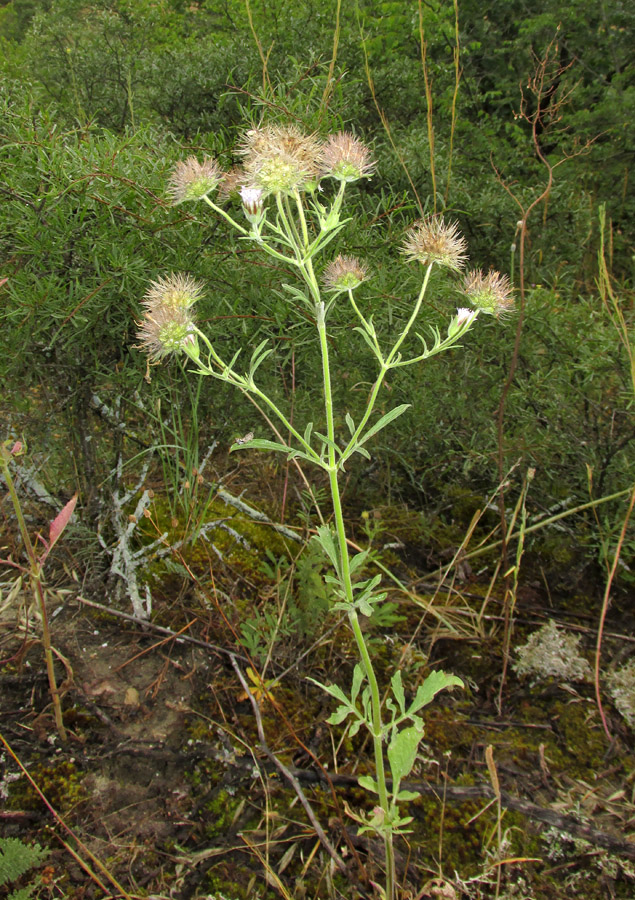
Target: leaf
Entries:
(258, 688)
(328, 442)
(358, 560)
(358, 678)
(407, 795)
(426, 692)
(259, 444)
(327, 542)
(323, 239)
(385, 420)
(297, 294)
(334, 690)
(258, 355)
(287, 857)
(298, 454)
(350, 423)
(357, 724)
(60, 522)
(307, 432)
(366, 337)
(398, 692)
(402, 752)
(368, 783)
(341, 713)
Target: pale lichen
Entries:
(552, 653)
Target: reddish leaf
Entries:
(60, 522)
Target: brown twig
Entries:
(143, 623)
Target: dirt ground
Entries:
(164, 789)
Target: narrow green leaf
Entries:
(358, 678)
(358, 560)
(366, 337)
(259, 349)
(335, 691)
(354, 728)
(350, 423)
(385, 420)
(398, 692)
(259, 444)
(327, 442)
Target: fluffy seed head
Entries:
(192, 180)
(344, 273)
(280, 159)
(346, 158)
(166, 330)
(434, 241)
(168, 324)
(491, 293)
(175, 292)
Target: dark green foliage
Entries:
(86, 223)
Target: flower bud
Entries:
(252, 199)
(462, 320)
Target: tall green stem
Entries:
(352, 613)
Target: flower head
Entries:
(168, 324)
(344, 273)
(280, 159)
(434, 241)
(346, 158)
(193, 180)
(491, 293)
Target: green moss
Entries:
(582, 740)
(60, 782)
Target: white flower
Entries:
(252, 200)
(462, 321)
(465, 315)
